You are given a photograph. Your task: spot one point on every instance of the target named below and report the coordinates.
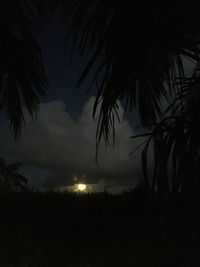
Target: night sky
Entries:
(59, 147)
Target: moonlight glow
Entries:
(81, 187)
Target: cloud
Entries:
(65, 147)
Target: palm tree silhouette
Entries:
(140, 50)
(10, 178)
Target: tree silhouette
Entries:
(10, 178)
(141, 50)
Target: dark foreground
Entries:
(57, 230)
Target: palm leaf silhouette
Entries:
(22, 77)
(176, 144)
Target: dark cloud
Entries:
(60, 147)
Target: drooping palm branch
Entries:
(175, 141)
(22, 77)
(141, 48)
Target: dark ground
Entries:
(58, 230)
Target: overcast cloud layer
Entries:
(62, 148)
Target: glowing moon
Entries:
(81, 187)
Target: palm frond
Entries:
(175, 146)
(22, 77)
